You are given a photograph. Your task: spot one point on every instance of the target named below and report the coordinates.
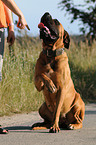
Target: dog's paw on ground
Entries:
(54, 130)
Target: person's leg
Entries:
(1, 50)
(2, 131)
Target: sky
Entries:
(34, 9)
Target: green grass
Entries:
(17, 91)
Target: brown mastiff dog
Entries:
(63, 106)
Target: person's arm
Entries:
(14, 8)
(11, 36)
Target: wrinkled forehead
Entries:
(60, 28)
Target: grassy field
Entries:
(17, 91)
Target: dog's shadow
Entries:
(25, 129)
(18, 128)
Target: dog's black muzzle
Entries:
(47, 38)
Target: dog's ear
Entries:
(66, 39)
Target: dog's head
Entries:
(52, 32)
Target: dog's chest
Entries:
(50, 68)
(53, 65)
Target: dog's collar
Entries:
(51, 53)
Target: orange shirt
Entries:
(2, 16)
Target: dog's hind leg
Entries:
(75, 116)
(75, 126)
(40, 126)
(78, 116)
(46, 115)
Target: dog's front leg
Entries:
(39, 70)
(60, 99)
(41, 76)
(39, 83)
(42, 80)
(49, 84)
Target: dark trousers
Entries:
(2, 41)
(2, 38)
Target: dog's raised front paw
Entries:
(51, 87)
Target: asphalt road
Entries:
(20, 132)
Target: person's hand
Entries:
(11, 38)
(22, 23)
